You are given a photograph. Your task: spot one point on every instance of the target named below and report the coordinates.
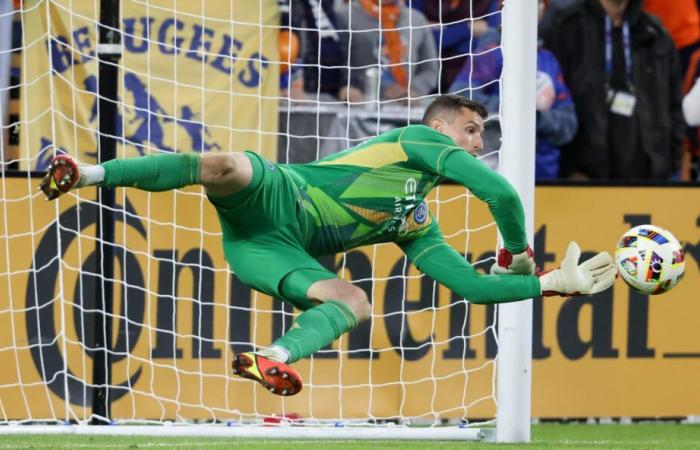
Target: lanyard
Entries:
(609, 48)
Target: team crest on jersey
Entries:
(420, 213)
(416, 219)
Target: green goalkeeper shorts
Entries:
(264, 235)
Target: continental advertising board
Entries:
(179, 316)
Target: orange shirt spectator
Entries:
(680, 17)
(682, 20)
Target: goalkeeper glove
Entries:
(514, 264)
(590, 277)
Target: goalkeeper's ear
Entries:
(437, 124)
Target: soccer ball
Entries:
(649, 259)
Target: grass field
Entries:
(550, 436)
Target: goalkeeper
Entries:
(277, 218)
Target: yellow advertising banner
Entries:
(193, 76)
(179, 316)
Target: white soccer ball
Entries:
(649, 259)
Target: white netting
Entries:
(204, 76)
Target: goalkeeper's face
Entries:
(464, 128)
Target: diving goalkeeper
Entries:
(277, 218)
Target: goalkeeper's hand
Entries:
(590, 277)
(514, 264)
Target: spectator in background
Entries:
(691, 105)
(623, 72)
(554, 8)
(291, 71)
(461, 24)
(691, 114)
(314, 45)
(5, 51)
(404, 51)
(556, 116)
(682, 19)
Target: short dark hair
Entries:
(451, 104)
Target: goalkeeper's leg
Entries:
(334, 308)
(221, 174)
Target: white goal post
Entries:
(428, 366)
(517, 164)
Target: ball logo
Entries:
(420, 214)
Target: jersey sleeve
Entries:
(437, 153)
(492, 188)
(421, 246)
(435, 258)
(426, 148)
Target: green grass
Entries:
(548, 436)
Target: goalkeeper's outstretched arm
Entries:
(434, 257)
(435, 151)
(593, 275)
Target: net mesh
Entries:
(206, 77)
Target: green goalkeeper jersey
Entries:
(375, 192)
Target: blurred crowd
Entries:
(616, 91)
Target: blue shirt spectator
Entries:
(457, 34)
(556, 115)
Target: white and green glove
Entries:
(590, 277)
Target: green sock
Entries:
(317, 327)
(161, 172)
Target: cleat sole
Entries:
(279, 379)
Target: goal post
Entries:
(517, 164)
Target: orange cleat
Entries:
(276, 377)
(63, 175)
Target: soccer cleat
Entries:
(276, 377)
(63, 175)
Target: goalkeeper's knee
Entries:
(306, 287)
(358, 303)
(227, 173)
(351, 296)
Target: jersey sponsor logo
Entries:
(420, 213)
(402, 205)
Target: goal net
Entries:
(221, 76)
